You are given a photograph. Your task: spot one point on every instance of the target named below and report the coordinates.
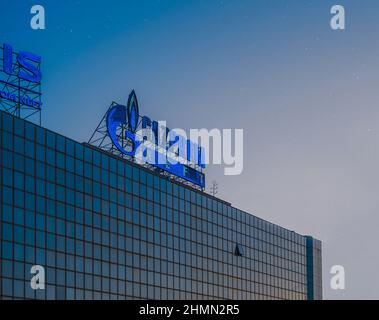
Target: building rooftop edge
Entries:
(154, 173)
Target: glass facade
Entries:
(105, 228)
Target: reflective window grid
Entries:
(105, 228)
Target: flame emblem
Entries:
(133, 112)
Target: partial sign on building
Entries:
(20, 83)
(123, 132)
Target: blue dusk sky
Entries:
(305, 95)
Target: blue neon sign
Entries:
(128, 116)
(20, 78)
(27, 61)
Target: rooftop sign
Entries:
(152, 143)
(20, 81)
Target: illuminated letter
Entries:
(7, 63)
(203, 138)
(176, 150)
(33, 74)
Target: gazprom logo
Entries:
(120, 115)
(153, 143)
(133, 112)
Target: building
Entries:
(105, 228)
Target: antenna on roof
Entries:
(214, 188)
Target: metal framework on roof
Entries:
(11, 84)
(101, 140)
